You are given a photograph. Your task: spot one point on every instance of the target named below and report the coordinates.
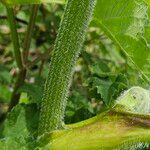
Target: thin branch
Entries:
(14, 36)
(22, 69)
(16, 95)
(41, 67)
(28, 36)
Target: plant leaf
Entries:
(135, 100)
(124, 22)
(19, 128)
(110, 90)
(147, 28)
(34, 92)
(5, 76)
(20, 2)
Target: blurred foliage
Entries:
(101, 73)
(19, 128)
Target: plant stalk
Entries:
(14, 37)
(22, 69)
(67, 47)
(17, 54)
(29, 33)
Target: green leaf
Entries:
(78, 108)
(135, 100)
(34, 92)
(101, 69)
(124, 22)
(148, 2)
(19, 129)
(147, 33)
(11, 144)
(5, 76)
(5, 94)
(110, 90)
(17, 121)
(147, 28)
(119, 85)
(20, 2)
(102, 87)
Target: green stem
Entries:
(14, 36)
(19, 82)
(22, 69)
(67, 48)
(28, 36)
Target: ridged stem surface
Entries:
(68, 44)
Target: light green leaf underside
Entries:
(124, 22)
(20, 2)
(135, 100)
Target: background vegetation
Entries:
(101, 73)
(115, 57)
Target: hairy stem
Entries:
(67, 48)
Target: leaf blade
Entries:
(124, 22)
